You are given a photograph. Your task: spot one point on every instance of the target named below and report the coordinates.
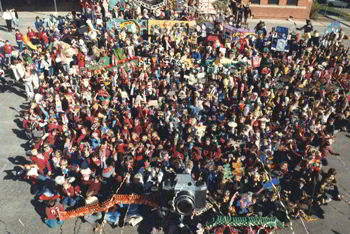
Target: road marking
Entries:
(21, 222)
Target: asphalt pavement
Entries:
(20, 213)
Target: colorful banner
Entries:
(152, 24)
(231, 32)
(151, 4)
(105, 63)
(229, 28)
(133, 26)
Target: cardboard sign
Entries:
(201, 75)
(281, 45)
(191, 79)
(256, 61)
(153, 103)
(223, 50)
(282, 32)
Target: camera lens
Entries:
(184, 203)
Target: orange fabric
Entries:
(7, 49)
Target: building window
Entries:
(292, 2)
(255, 1)
(273, 2)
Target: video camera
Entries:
(185, 194)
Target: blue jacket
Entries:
(94, 143)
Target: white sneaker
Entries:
(135, 220)
(328, 200)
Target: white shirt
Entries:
(28, 78)
(44, 64)
(13, 15)
(18, 70)
(7, 15)
(92, 35)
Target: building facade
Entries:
(299, 9)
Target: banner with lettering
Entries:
(153, 25)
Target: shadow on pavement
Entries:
(12, 89)
(10, 174)
(335, 232)
(20, 134)
(26, 146)
(18, 122)
(18, 160)
(13, 174)
(149, 221)
(9, 84)
(318, 212)
(39, 208)
(3, 28)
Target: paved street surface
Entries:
(19, 213)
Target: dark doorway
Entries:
(273, 2)
(292, 2)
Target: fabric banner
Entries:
(152, 24)
(151, 4)
(119, 63)
(133, 26)
(233, 32)
(229, 28)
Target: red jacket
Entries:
(42, 164)
(43, 37)
(71, 191)
(80, 59)
(8, 49)
(31, 35)
(52, 212)
(95, 187)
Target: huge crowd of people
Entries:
(255, 124)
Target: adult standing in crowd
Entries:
(15, 18)
(8, 52)
(19, 40)
(7, 16)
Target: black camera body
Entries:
(184, 194)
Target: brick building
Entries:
(299, 9)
